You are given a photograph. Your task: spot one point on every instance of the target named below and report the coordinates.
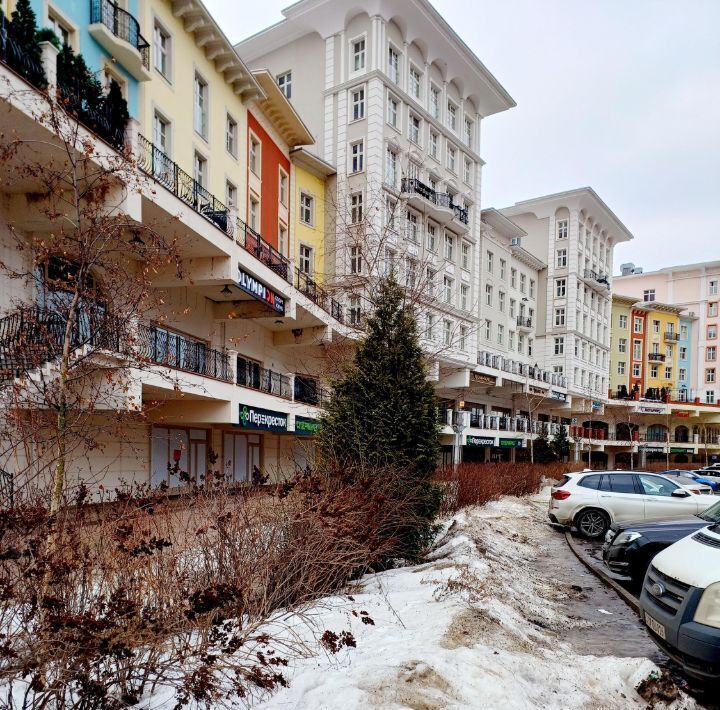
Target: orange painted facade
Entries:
(272, 160)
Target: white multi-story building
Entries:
(574, 233)
(395, 100)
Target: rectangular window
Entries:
(560, 288)
(358, 104)
(668, 373)
(161, 50)
(562, 229)
(306, 259)
(503, 265)
(561, 258)
(230, 194)
(712, 310)
(447, 289)
(435, 102)
(391, 171)
(254, 156)
(468, 133)
(356, 208)
(390, 256)
(649, 295)
(200, 106)
(682, 374)
(282, 239)
(161, 135)
(414, 129)
(532, 288)
(490, 262)
(284, 81)
(307, 208)
(463, 338)
(449, 247)
(513, 278)
(412, 227)
(358, 52)
(451, 158)
(500, 334)
(711, 332)
(430, 327)
(410, 273)
(710, 375)
(559, 317)
(710, 397)
(488, 295)
(447, 333)
(636, 370)
(354, 310)
(254, 213)
(394, 65)
(433, 147)
(467, 172)
(355, 260)
(431, 237)
(683, 353)
(452, 116)
(501, 301)
(357, 157)
(637, 349)
(637, 324)
(522, 283)
(713, 287)
(231, 135)
(622, 345)
(656, 327)
(654, 371)
(622, 322)
(431, 275)
(465, 297)
(711, 353)
(559, 346)
(283, 188)
(513, 304)
(200, 170)
(392, 112)
(415, 83)
(621, 368)
(465, 251)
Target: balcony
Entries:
(671, 336)
(318, 295)
(442, 201)
(253, 243)
(118, 32)
(13, 56)
(597, 278)
(181, 352)
(250, 374)
(524, 323)
(498, 362)
(308, 391)
(656, 357)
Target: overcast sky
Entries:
(621, 95)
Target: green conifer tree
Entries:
(383, 414)
(560, 444)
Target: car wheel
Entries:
(592, 523)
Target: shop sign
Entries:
(682, 415)
(536, 390)
(478, 378)
(680, 450)
(479, 441)
(510, 443)
(304, 426)
(596, 405)
(653, 449)
(560, 396)
(651, 410)
(252, 286)
(265, 419)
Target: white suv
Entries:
(592, 501)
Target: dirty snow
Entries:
(474, 627)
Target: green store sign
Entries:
(264, 419)
(510, 443)
(304, 426)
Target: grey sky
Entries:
(622, 95)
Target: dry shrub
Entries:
(102, 605)
(480, 483)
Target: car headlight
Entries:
(626, 537)
(708, 610)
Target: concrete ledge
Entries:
(601, 574)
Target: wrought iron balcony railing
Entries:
(672, 336)
(318, 295)
(122, 24)
(180, 352)
(656, 357)
(252, 375)
(524, 322)
(441, 199)
(13, 56)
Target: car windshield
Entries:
(712, 514)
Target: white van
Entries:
(680, 602)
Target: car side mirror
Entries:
(680, 493)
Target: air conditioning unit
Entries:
(515, 242)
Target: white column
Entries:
(48, 56)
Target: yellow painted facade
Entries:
(170, 96)
(311, 177)
(621, 343)
(661, 371)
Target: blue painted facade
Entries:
(96, 57)
(685, 348)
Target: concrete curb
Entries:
(601, 574)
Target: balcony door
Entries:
(248, 373)
(186, 447)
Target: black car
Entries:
(630, 546)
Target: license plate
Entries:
(655, 626)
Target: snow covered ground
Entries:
(482, 624)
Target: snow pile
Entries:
(474, 627)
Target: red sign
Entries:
(682, 415)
